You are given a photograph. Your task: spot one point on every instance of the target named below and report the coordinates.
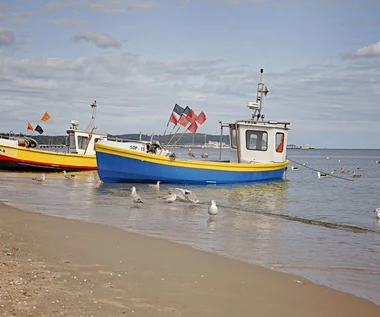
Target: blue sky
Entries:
(137, 58)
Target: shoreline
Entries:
(55, 266)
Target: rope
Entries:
(313, 169)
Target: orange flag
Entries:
(45, 117)
(30, 127)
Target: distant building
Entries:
(306, 147)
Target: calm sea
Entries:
(323, 229)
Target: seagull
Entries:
(320, 175)
(191, 154)
(191, 197)
(378, 162)
(294, 168)
(135, 197)
(68, 176)
(378, 213)
(156, 186)
(204, 155)
(184, 194)
(212, 209)
(179, 192)
(355, 175)
(40, 179)
(169, 198)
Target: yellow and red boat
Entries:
(22, 153)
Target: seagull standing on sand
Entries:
(378, 213)
(135, 197)
(169, 198)
(68, 176)
(156, 186)
(191, 154)
(212, 209)
(40, 179)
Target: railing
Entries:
(52, 146)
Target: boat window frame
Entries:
(280, 140)
(233, 142)
(264, 141)
(72, 143)
(82, 145)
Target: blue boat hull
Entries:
(122, 169)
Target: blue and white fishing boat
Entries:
(257, 150)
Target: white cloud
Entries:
(369, 51)
(129, 90)
(67, 22)
(101, 40)
(7, 36)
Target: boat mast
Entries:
(260, 94)
(91, 126)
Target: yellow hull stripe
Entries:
(159, 159)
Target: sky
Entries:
(138, 58)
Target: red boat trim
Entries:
(58, 166)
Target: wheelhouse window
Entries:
(256, 140)
(71, 140)
(233, 138)
(280, 137)
(82, 142)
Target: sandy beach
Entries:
(52, 266)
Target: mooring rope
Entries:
(313, 169)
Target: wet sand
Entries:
(51, 266)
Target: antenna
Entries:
(261, 92)
(91, 126)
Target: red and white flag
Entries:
(173, 119)
(191, 116)
(201, 118)
(193, 127)
(183, 120)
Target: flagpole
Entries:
(166, 127)
(180, 137)
(173, 135)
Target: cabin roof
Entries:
(252, 122)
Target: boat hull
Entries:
(117, 165)
(18, 158)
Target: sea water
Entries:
(322, 229)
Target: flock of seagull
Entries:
(343, 171)
(321, 174)
(173, 195)
(187, 195)
(43, 177)
(191, 154)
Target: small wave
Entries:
(314, 222)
